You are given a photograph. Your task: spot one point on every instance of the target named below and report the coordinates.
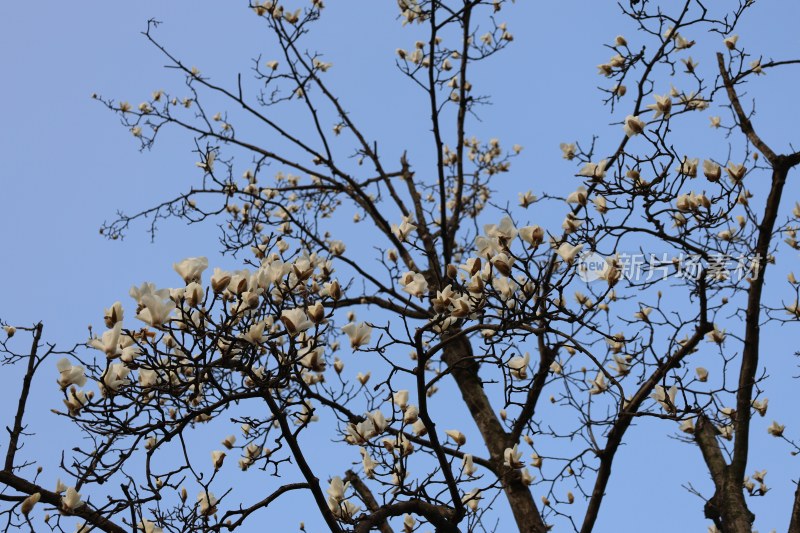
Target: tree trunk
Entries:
(459, 358)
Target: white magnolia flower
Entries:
(71, 500)
(702, 374)
(512, 456)
(400, 399)
(533, 235)
(115, 377)
(70, 375)
(711, 170)
(775, 429)
(367, 462)
(414, 284)
(404, 229)
(736, 172)
(568, 252)
(578, 197)
(519, 366)
(295, 320)
(505, 230)
(408, 523)
(344, 510)
(359, 335)
(191, 269)
(761, 406)
(567, 150)
(457, 436)
(526, 477)
(337, 489)
(688, 167)
(471, 499)
(666, 398)
(633, 125)
(594, 170)
(29, 502)
(108, 343)
(217, 458)
(599, 384)
(468, 467)
(663, 106)
(155, 311)
(207, 502)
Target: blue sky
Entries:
(66, 166)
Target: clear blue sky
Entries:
(66, 166)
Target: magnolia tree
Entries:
(554, 337)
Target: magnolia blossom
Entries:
(505, 230)
(775, 429)
(761, 406)
(633, 125)
(471, 499)
(207, 503)
(115, 377)
(578, 197)
(414, 284)
(519, 366)
(113, 314)
(71, 500)
(400, 398)
(109, 341)
(512, 456)
(363, 378)
(716, 335)
(702, 374)
(191, 269)
(687, 426)
(295, 320)
(344, 510)
(568, 252)
(468, 467)
(359, 334)
(533, 235)
(337, 489)
(594, 170)
(404, 229)
(217, 458)
(688, 167)
(711, 170)
(665, 398)
(70, 375)
(567, 150)
(526, 199)
(29, 502)
(735, 172)
(149, 527)
(368, 463)
(663, 106)
(599, 384)
(526, 477)
(457, 436)
(77, 400)
(730, 42)
(600, 204)
(155, 311)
